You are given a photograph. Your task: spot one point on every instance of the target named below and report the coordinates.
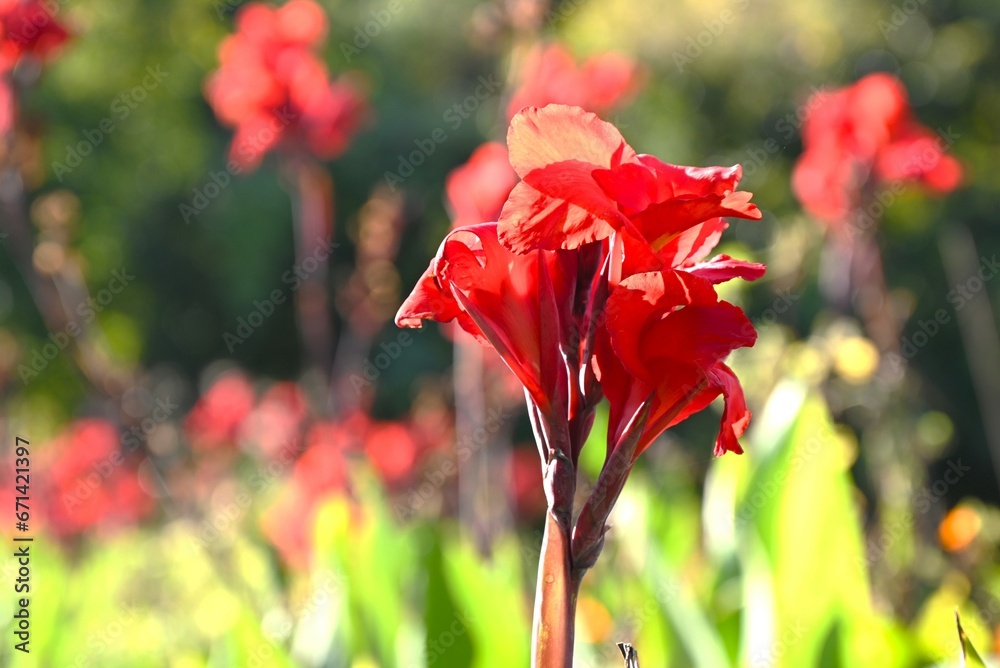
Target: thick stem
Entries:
(552, 630)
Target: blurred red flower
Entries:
(477, 190)
(551, 75)
(28, 28)
(6, 106)
(90, 483)
(392, 450)
(217, 417)
(320, 472)
(274, 90)
(866, 134)
(275, 423)
(592, 229)
(525, 482)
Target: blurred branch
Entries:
(57, 292)
(312, 204)
(871, 295)
(977, 324)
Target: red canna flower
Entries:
(28, 28)
(586, 199)
(551, 76)
(866, 133)
(581, 182)
(274, 90)
(594, 282)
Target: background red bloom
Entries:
(550, 74)
(478, 189)
(91, 483)
(866, 133)
(274, 90)
(217, 417)
(27, 28)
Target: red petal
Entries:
(660, 222)
(694, 243)
(682, 181)
(558, 206)
(556, 133)
(735, 415)
(502, 292)
(429, 301)
(722, 268)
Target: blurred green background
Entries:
(862, 515)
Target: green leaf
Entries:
(970, 657)
(803, 552)
(447, 637)
(491, 594)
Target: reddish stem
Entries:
(312, 190)
(552, 632)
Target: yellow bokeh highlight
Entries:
(856, 360)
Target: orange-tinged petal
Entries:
(558, 206)
(539, 137)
